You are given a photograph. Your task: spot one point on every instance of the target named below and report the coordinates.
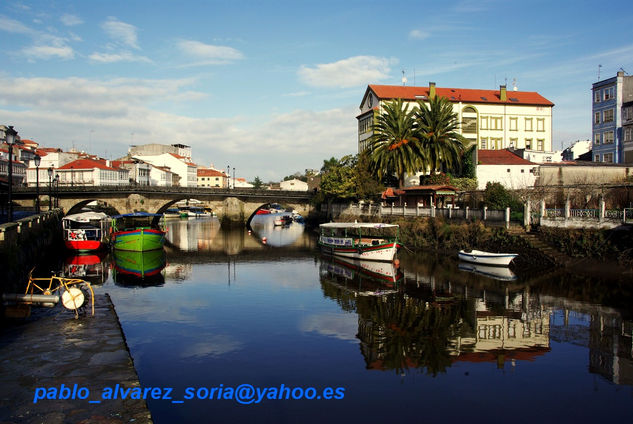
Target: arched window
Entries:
(469, 120)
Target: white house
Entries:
(179, 165)
(293, 185)
(504, 167)
(139, 170)
(161, 176)
(87, 172)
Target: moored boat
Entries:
(495, 272)
(360, 240)
(487, 258)
(138, 231)
(85, 231)
(139, 264)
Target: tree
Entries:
(394, 147)
(257, 183)
(339, 182)
(328, 163)
(438, 129)
(367, 187)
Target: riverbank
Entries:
(51, 348)
(605, 253)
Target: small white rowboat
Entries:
(487, 258)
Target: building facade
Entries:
(211, 178)
(627, 132)
(505, 167)
(179, 165)
(490, 119)
(608, 97)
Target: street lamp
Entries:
(37, 161)
(233, 178)
(10, 135)
(50, 187)
(228, 177)
(56, 191)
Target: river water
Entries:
(424, 342)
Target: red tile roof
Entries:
(501, 157)
(184, 159)
(87, 164)
(205, 172)
(465, 95)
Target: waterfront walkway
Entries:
(51, 348)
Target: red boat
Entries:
(85, 231)
(262, 212)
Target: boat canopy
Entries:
(377, 225)
(137, 215)
(86, 216)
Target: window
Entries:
(596, 96)
(484, 122)
(496, 123)
(528, 124)
(596, 138)
(607, 158)
(513, 142)
(540, 124)
(609, 93)
(607, 115)
(528, 143)
(627, 113)
(484, 142)
(496, 143)
(596, 158)
(596, 118)
(364, 125)
(469, 125)
(607, 137)
(540, 144)
(628, 134)
(513, 124)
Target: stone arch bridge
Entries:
(232, 204)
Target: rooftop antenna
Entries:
(514, 84)
(599, 66)
(622, 69)
(404, 79)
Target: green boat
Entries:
(139, 264)
(137, 232)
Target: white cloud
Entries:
(350, 72)
(121, 32)
(13, 26)
(71, 20)
(209, 54)
(416, 34)
(56, 111)
(48, 52)
(118, 57)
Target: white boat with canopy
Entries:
(360, 240)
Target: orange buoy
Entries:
(397, 263)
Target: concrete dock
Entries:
(51, 348)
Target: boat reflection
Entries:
(90, 267)
(139, 268)
(265, 230)
(494, 272)
(193, 235)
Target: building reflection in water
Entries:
(428, 322)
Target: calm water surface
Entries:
(424, 342)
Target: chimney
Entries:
(503, 94)
(431, 90)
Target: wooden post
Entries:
(602, 210)
(526, 215)
(466, 213)
(485, 212)
(507, 217)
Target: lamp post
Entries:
(233, 178)
(10, 135)
(50, 188)
(56, 191)
(37, 161)
(228, 177)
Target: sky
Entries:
(271, 88)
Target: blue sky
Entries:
(273, 87)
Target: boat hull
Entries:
(139, 240)
(379, 252)
(83, 245)
(486, 258)
(139, 264)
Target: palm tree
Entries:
(438, 130)
(394, 147)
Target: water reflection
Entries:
(234, 310)
(192, 235)
(91, 267)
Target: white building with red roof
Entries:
(491, 119)
(505, 167)
(179, 165)
(209, 177)
(84, 172)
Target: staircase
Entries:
(557, 257)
